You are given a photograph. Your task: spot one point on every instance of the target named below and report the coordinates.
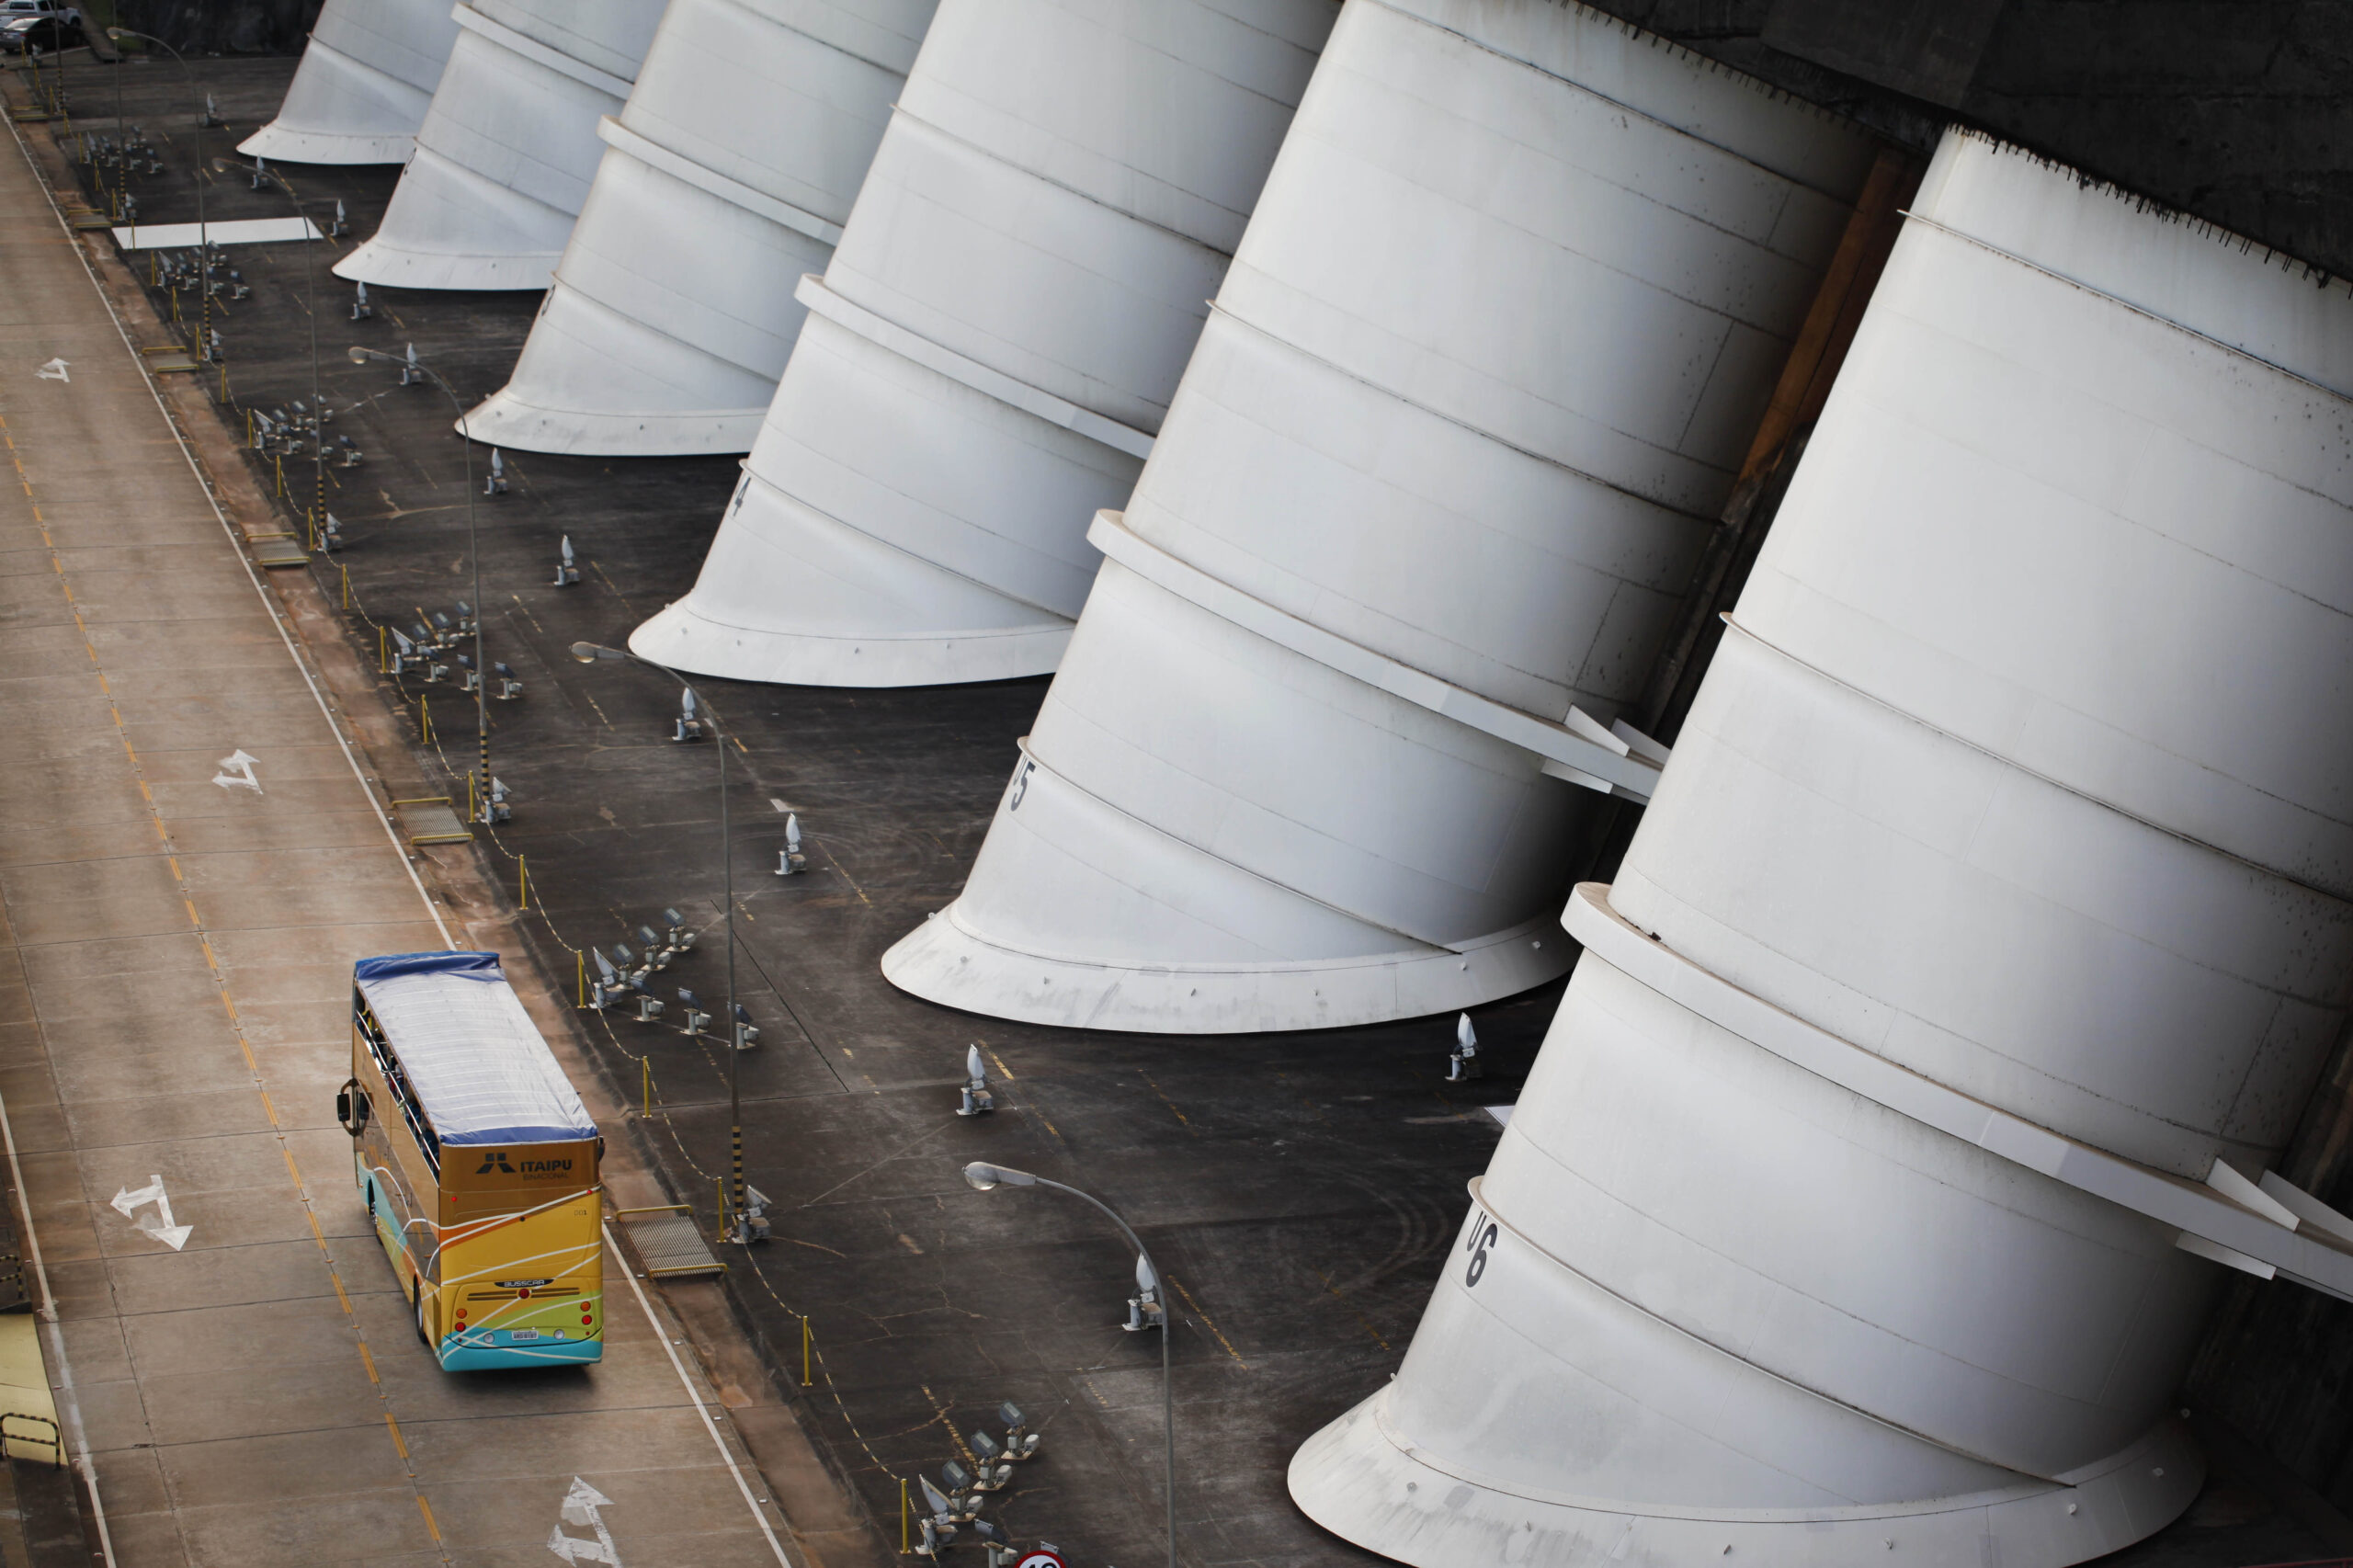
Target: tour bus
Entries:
(477, 1163)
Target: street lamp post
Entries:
(318, 403)
(203, 234)
(473, 547)
(122, 164)
(986, 1177)
(739, 1230)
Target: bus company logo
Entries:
(544, 1170)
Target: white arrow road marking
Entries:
(54, 371)
(237, 772)
(161, 1229)
(580, 1505)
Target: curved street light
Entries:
(984, 1176)
(203, 234)
(481, 672)
(318, 403)
(739, 1230)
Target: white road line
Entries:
(188, 453)
(683, 1381)
(72, 1402)
(66, 1377)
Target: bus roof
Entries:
(477, 1064)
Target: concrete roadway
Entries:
(175, 955)
(1301, 1191)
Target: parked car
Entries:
(46, 33)
(17, 10)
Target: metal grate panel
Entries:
(430, 821)
(669, 1242)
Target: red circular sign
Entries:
(1039, 1558)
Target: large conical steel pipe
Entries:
(992, 349)
(506, 152)
(1473, 395)
(1924, 1066)
(728, 175)
(365, 81)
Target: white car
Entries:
(50, 30)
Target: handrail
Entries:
(2249, 1226)
(55, 1438)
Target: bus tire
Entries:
(416, 1299)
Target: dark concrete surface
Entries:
(2238, 111)
(1299, 1191)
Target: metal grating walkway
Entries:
(430, 821)
(669, 1242)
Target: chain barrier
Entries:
(340, 592)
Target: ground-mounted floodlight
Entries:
(203, 234)
(415, 370)
(739, 1226)
(310, 291)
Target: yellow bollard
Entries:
(904, 1511)
(804, 1350)
(425, 732)
(383, 660)
(645, 1073)
(580, 960)
(522, 884)
(339, 566)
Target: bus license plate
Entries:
(522, 1333)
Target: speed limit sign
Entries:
(1042, 1557)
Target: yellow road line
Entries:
(1205, 1317)
(228, 1003)
(1179, 1115)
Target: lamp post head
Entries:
(118, 34)
(589, 652)
(360, 356)
(986, 1177)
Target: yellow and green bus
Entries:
(477, 1163)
